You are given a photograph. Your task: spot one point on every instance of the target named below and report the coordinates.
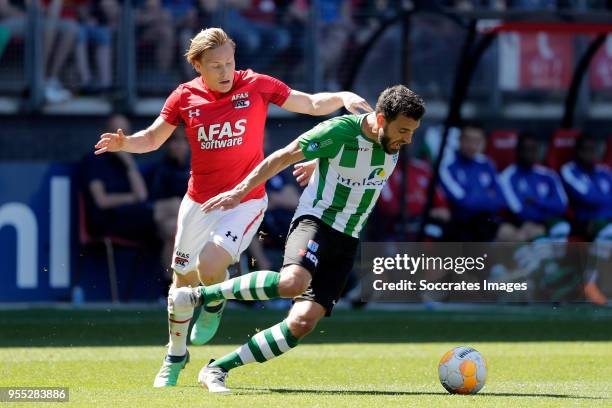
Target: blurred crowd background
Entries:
(514, 167)
(124, 50)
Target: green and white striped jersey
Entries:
(352, 171)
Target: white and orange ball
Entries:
(462, 370)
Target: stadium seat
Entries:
(607, 159)
(501, 146)
(109, 242)
(561, 147)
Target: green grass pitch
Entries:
(538, 357)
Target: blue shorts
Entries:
(99, 35)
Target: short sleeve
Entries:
(272, 89)
(326, 139)
(171, 111)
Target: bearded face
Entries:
(385, 141)
(392, 135)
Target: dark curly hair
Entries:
(400, 100)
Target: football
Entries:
(462, 370)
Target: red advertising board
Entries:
(600, 71)
(547, 60)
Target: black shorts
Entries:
(326, 253)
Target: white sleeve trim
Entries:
(559, 186)
(506, 186)
(571, 179)
(453, 187)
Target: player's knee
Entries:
(301, 325)
(293, 283)
(181, 300)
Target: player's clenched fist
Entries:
(110, 142)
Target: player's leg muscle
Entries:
(212, 263)
(188, 279)
(294, 281)
(303, 317)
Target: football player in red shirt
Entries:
(224, 113)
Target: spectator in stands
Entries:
(589, 186)
(169, 184)
(336, 28)
(470, 183)
(294, 16)
(535, 197)
(164, 23)
(155, 26)
(536, 219)
(116, 198)
(186, 22)
(98, 20)
(58, 21)
(59, 35)
(252, 24)
(388, 212)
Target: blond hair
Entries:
(207, 39)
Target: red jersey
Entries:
(70, 8)
(225, 130)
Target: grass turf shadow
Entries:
(396, 393)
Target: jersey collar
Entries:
(364, 137)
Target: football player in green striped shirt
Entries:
(356, 155)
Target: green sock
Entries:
(5, 36)
(259, 285)
(262, 347)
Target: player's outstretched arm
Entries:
(271, 166)
(325, 103)
(143, 141)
